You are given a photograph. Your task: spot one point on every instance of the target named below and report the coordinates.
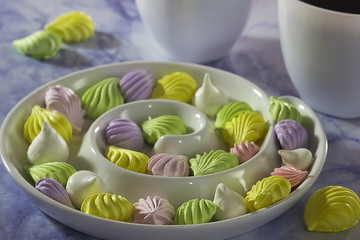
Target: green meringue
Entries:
(155, 128)
(41, 44)
(59, 171)
(281, 110)
(332, 209)
(247, 126)
(128, 159)
(229, 111)
(106, 205)
(102, 97)
(195, 211)
(212, 162)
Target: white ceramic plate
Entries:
(13, 151)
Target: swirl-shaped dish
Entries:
(13, 150)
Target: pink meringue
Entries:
(157, 211)
(293, 175)
(164, 164)
(63, 100)
(244, 151)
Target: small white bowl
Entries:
(13, 148)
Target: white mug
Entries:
(321, 50)
(194, 30)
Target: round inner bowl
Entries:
(202, 139)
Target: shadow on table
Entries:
(100, 40)
(68, 58)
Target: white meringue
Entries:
(300, 158)
(229, 203)
(47, 146)
(83, 184)
(208, 98)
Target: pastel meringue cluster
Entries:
(43, 44)
(49, 130)
(292, 139)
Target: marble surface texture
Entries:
(120, 36)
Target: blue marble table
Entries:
(120, 36)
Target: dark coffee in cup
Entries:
(346, 6)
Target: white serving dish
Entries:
(13, 150)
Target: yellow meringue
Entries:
(106, 205)
(266, 192)
(57, 121)
(332, 209)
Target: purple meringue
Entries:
(155, 210)
(136, 85)
(124, 133)
(244, 151)
(63, 100)
(291, 134)
(54, 190)
(167, 165)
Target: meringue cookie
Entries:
(167, 165)
(155, 128)
(156, 210)
(137, 85)
(54, 190)
(244, 151)
(293, 175)
(128, 159)
(212, 162)
(40, 45)
(208, 98)
(124, 133)
(229, 203)
(266, 192)
(300, 158)
(102, 97)
(247, 126)
(291, 134)
(106, 205)
(59, 171)
(195, 211)
(38, 116)
(82, 184)
(229, 111)
(281, 110)
(60, 99)
(177, 86)
(332, 209)
(72, 27)
(47, 146)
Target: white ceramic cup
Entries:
(321, 49)
(194, 30)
